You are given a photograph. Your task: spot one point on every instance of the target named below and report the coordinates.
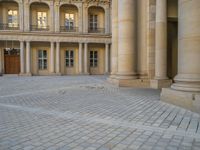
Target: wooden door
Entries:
(12, 64)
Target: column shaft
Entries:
(106, 58)
(58, 57)
(52, 17)
(26, 16)
(22, 60)
(107, 20)
(188, 78)
(114, 52)
(28, 58)
(57, 17)
(80, 58)
(161, 40)
(127, 39)
(21, 16)
(52, 68)
(86, 58)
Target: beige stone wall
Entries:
(50, 39)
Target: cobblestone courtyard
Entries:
(87, 113)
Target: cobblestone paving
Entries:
(87, 113)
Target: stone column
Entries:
(52, 16)
(58, 58)
(107, 20)
(85, 18)
(28, 58)
(22, 60)
(186, 89)
(80, 58)
(21, 16)
(106, 58)
(57, 17)
(52, 68)
(161, 80)
(86, 58)
(27, 16)
(80, 18)
(127, 38)
(114, 52)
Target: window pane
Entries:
(67, 62)
(45, 54)
(45, 64)
(67, 54)
(40, 64)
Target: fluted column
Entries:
(52, 68)
(188, 78)
(106, 58)
(58, 58)
(28, 58)
(86, 58)
(114, 51)
(161, 40)
(127, 38)
(80, 58)
(22, 60)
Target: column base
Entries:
(135, 83)
(188, 100)
(159, 83)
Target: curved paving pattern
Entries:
(87, 113)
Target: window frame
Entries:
(44, 21)
(93, 21)
(69, 27)
(69, 58)
(14, 20)
(42, 59)
(94, 61)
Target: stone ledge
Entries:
(136, 83)
(158, 84)
(188, 100)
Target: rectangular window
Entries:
(12, 18)
(93, 22)
(69, 58)
(69, 21)
(93, 58)
(42, 59)
(42, 20)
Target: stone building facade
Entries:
(55, 37)
(146, 43)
